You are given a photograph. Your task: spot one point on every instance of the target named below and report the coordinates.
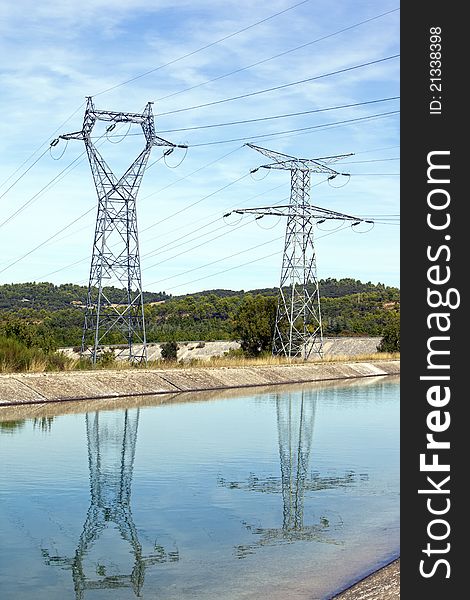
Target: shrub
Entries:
(169, 351)
(15, 356)
(106, 359)
(390, 341)
(58, 361)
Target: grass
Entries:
(240, 361)
(45, 364)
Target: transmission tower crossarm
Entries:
(305, 209)
(76, 135)
(273, 154)
(287, 162)
(159, 141)
(144, 119)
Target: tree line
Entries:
(55, 318)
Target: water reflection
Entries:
(15, 426)
(43, 423)
(295, 425)
(111, 438)
(12, 426)
(308, 481)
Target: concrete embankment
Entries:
(189, 351)
(38, 388)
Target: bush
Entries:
(30, 335)
(169, 351)
(390, 341)
(16, 356)
(106, 359)
(58, 361)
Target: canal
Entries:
(291, 493)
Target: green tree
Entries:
(254, 323)
(390, 341)
(169, 351)
(31, 335)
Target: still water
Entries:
(290, 494)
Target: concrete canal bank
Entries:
(38, 388)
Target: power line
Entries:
(175, 60)
(357, 162)
(193, 223)
(186, 176)
(276, 133)
(198, 201)
(172, 245)
(321, 127)
(242, 265)
(224, 271)
(35, 152)
(23, 174)
(197, 246)
(218, 142)
(161, 250)
(218, 260)
(376, 150)
(273, 117)
(282, 116)
(260, 62)
(157, 222)
(203, 244)
(54, 180)
(43, 243)
(279, 87)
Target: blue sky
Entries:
(180, 55)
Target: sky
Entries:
(206, 65)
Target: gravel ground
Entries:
(384, 584)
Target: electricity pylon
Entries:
(298, 328)
(115, 308)
(111, 440)
(295, 424)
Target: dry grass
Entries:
(360, 357)
(37, 365)
(41, 365)
(239, 361)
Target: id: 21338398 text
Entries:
(435, 70)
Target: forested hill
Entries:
(329, 288)
(48, 296)
(52, 316)
(38, 296)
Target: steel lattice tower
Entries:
(114, 311)
(298, 328)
